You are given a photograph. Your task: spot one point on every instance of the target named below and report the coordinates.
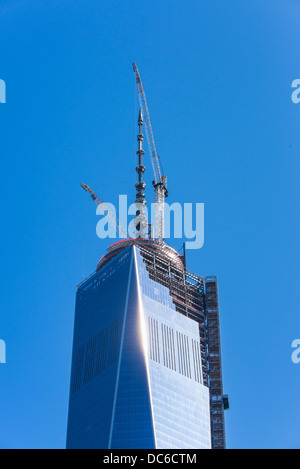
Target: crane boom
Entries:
(110, 215)
(160, 180)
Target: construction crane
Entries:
(160, 180)
(110, 215)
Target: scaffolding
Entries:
(217, 400)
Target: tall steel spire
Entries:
(140, 220)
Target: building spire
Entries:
(140, 220)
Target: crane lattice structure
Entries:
(160, 180)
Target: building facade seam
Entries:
(120, 353)
(145, 348)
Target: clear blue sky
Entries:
(218, 81)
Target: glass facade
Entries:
(136, 379)
(180, 401)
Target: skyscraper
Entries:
(146, 365)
